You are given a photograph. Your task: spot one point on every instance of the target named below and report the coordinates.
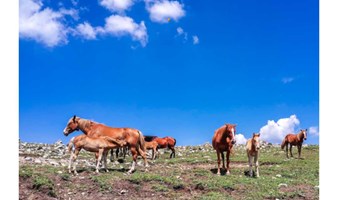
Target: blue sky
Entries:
(252, 63)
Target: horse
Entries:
(223, 140)
(166, 142)
(133, 137)
(153, 146)
(100, 145)
(117, 152)
(252, 151)
(294, 140)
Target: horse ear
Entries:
(74, 118)
(253, 134)
(235, 124)
(259, 134)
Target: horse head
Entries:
(231, 130)
(304, 133)
(255, 141)
(72, 125)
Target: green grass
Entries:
(195, 171)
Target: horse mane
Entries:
(86, 123)
(300, 135)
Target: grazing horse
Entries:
(166, 142)
(100, 145)
(133, 137)
(294, 140)
(223, 140)
(153, 146)
(252, 151)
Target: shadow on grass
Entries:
(214, 171)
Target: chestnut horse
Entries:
(294, 140)
(133, 137)
(99, 145)
(252, 151)
(166, 142)
(223, 140)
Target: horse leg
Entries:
(99, 160)
(105, 154)
(250, 165)
(256, 165)
(223, 165)
(153, 154)
(228, 162)
(112, 155)
(299, 150)
(134, 155)
(291, 150)
(218, 163)
(287, 150)
(77, 151)
(172, 152)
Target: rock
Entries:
(282, 185)
(278, 175)
(123, 191)
(38, 161)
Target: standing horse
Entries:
(252, 147)
(294, 140)
(99, 145)
(223, 140)
(133, 137)
(166, 142)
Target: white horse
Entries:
(252, 150)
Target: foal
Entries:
(99, 145)
(252, 147)
(153, 146)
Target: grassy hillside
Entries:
(191, 175)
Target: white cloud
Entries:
(195, 39)
(313, 130)
(180, 30)
(161, 11)
(87, 31)
(116, 5)
(275, 132)
(43, 25)
(240, 139)
(121, 25)
(117, 26)
(287, 80)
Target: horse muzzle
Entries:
(233, 141)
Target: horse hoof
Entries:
(228, 173)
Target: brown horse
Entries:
(223, 140)
(153, 147)
(166, 142)
(252, 151)
(99, 145)
(133, 137)
(294, 140)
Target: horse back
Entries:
(130, 135)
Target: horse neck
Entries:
(85, 125)
(300, 136)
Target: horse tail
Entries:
(174, 141)
(283, 143)
(71, 144)
(141, 141)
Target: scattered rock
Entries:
(278, 175)
(282, 185)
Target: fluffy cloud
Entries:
(275, 132)
(87, 31)
(195, 39)
(117, 26)
(116, 5)
(120, 25)
(240, 139)
(160, 11)
(313, 130)
(42, 25)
